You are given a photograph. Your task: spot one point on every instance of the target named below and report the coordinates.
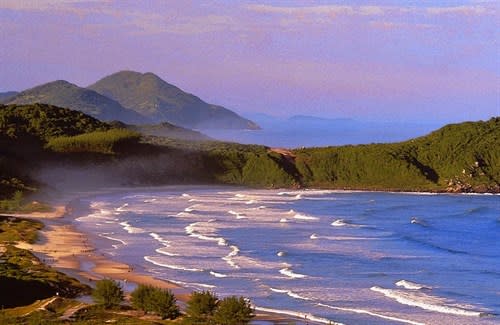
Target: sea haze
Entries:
(348, 257)
(308, 131)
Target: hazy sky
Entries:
(389, 60)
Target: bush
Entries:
(108, 293)
(205, 308)
(233, 310)
(201, 307)
(151, 299)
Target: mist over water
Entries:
(349, 257)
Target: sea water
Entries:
(319, 256)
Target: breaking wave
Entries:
(426, 302)
(151, 260)
(289, 273)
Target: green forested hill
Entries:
(65, 94)
(152, 97)
(457, 158)
(44, 121)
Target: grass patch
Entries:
(105, 142)
(18, 229)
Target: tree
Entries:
(108, 293)
(201, 307)
(164, 303)
(157, 300)
(140, 297)
(233, 311)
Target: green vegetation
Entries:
(206, 308)
(233, 310)
(21, 272)
(108, 293)
(150, 96)
(65, 94)
(54, 311)
(44, 121)
(456, 158)
(156, 300)
(106, 142)
(38, 294)
(201, 307)
(459, 157)
(18, 229)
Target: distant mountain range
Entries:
(133, 98)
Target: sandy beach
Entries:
(70, 251)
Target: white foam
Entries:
(149, 201)
(314, 236)
(278, 290)
(240, 195)
(371, 313)
(185, 195)
(218, 275)
(160, 239)
(290, 293)
(300, 216)
(106, 235)
(171, 266)
(192, 200)
(189, 209)
(289, 273)
(299, 315)
(122, 208)
(130, 229)
(298, 196)
(250, 202)
(283, 220)
(237, 214)
(339, 223)
(191, 231)
(291, 211)
(426, 302)
(411, 285)
(280, 254)
(192, 284)
(229, 257)
(163, 251)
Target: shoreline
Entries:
(70, 251)
(77, 253)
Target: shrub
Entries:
(164, 303)
(201, 307)
(233, 310)
(108, 293)
(151, 299)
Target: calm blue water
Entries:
(349, 257)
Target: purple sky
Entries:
(384, 60)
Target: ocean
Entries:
(320, 256)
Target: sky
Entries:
(373, 60)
